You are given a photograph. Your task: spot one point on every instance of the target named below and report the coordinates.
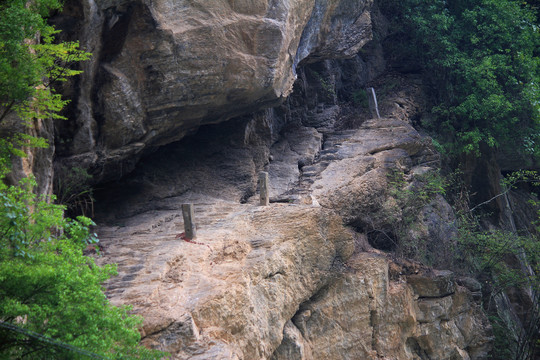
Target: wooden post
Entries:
(263, 189)
(373, 106)
(189, 226)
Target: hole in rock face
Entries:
(378, 236)
(382, 240)
(415, 348)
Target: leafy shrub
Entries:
(480, 58)
(360, 98)
(47, 285)
(30, 60)
(326, 85)
(408, 197)
(507, 262)
(52, 304)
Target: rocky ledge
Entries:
(297, 279)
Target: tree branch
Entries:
(7, 110)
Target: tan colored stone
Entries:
(356, 184)
(293, 346)
(240, 300)
(361, 314)
(436, 285)
(163, 68)
(287, 281)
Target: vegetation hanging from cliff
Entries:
(507, 263)
(48, 287)
(31, 61)
(480, 58)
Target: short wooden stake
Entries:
(263, 189)
(189, 226)
(372, 100)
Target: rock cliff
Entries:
(249, 86)
(161, 68)
(299, 279)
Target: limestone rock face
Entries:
(229, 295)
(383, 319)
(163, 68)
(281, 282)
(288, 281)
(355, 183)
(297, 279)
(297, 148)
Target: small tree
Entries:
(52, 304)
(30, 60)
(47, 285)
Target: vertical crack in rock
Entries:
(84, 139)
(373, 325)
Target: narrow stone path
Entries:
(146, 246)
(143, 245)
(330, 152)
(229, 294)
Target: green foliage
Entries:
(506, 260)
(502, 345)
(49, 287)
(485, 252)
(481, 59)
(421, 191)
(360, 98)
(50, 293)
(407, 200)
(30, 60)
(327, 86)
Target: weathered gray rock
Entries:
(296, 149)
(356, 184)
(293, 346)
(323, 117)
(440, 284)
(163, 68)
(278, 282)
(364, 315)
(221, 160)
(231, 294)
(470, 283)
(38, 161)
(284, 281)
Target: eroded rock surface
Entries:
(163, 68)
(288, 281)
(281, 282)
(236, 287)
(383, 319)
(38, 161)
